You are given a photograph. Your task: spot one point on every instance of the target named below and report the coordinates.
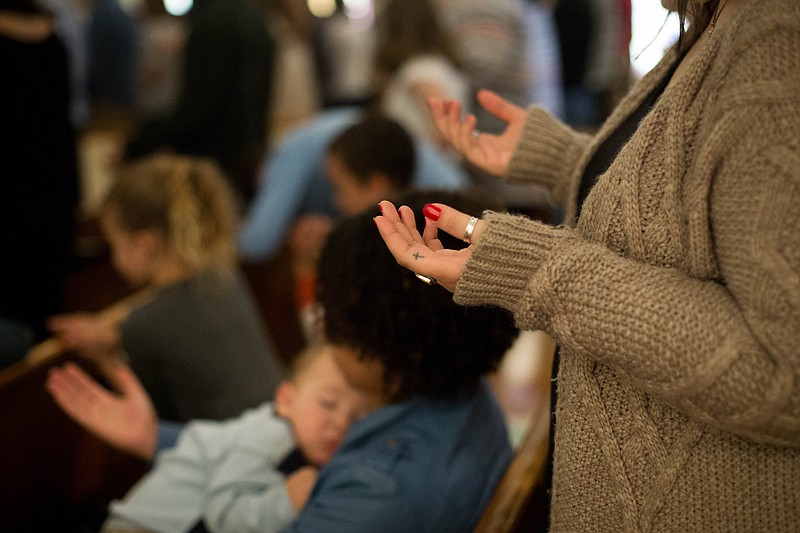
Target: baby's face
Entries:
(321, 406)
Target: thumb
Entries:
(453, 221)
(497, 106)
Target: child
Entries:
(429, 458)
(367, 162)
(197, 343)
(253, 472)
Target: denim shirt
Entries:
(413, 466)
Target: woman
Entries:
(675, 298)
(196, 340)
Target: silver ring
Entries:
(475, 134)
(426, 279)
(470, 228)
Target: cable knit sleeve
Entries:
(724, 349)
(549, 154)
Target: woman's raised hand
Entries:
(424, 254)
(490, 152)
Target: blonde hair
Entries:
(187, 199)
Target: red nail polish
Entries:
(380, 208)
(432, 212)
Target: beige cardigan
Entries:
(676, 299)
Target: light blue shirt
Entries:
(412, 466)
(224, 473)
(293, 181)
(544, 53)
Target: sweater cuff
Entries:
(511, 250)
(544, 151)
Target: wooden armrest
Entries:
(116, 312)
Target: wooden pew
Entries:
(520, 503)
(54, 475)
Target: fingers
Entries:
(497, 106)
(392, 228)
(58, 323)
(455, 223)
(431, 235)
(74, 391)
(393, 231)
(409, 220)
(446, 116)
(74, 381)
(466, 139)
(128, 383)
(398, 229)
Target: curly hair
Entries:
(425, 342)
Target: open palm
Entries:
(125, 419)
(489, 152)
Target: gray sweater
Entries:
(200, 349)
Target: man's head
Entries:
(319, 404)
(369, 161)
(393, 334)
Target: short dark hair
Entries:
(372, 305)
(377, 144)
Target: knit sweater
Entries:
(675, 299)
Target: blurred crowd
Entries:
(251, 85)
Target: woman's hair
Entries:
(376, 144)
(408, 28)
(697, 14)
(187, 199)
(425, 342)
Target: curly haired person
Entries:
(430, 456)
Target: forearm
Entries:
(682, 339)
(245, 491)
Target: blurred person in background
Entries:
(192, 333)
(222, 109)
(40, 173)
